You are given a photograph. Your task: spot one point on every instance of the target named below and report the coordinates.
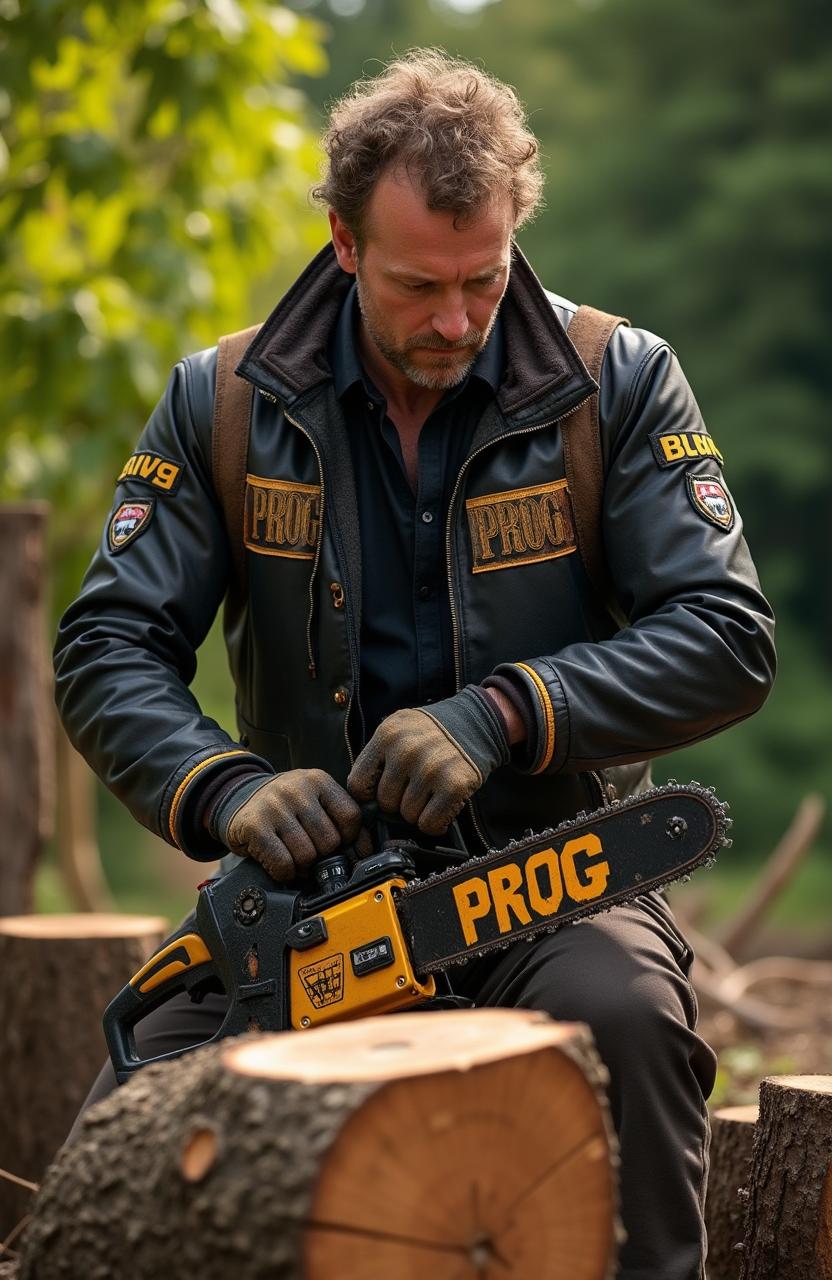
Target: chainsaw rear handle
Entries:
(236, 946)
(181, 962)
(242, 940)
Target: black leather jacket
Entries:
(696, 656)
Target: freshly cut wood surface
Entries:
(404, 1046)
(459, 1146)
(732, 1140)
(57, 973)
(468, 1175)
(84, 926)
(787, 1227)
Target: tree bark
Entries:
(732, 1139)
(78, 853)
(787, 1225)
(27, 782)
(455, 1145)
(56, 975)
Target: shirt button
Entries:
(339, 697)
(425, 593)
(370, 405)
(427, 516)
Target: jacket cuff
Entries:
(231, 801)
(547, 749)
(522, 753)
(183, 800)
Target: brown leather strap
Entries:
(229, 443)
(583, 459)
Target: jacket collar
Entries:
(544, 375)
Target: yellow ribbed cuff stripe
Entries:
(186, 781)
(548, 715)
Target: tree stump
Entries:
(732, 1139)
(455, 1145)
(787, 1228)
(57, 973)
(27, 767)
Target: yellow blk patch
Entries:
(154, 470)
(520, 526)
(517, 895)
(324, 980)
(683, 446)
(282, 517)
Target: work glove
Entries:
(424, 762)
(287, 821)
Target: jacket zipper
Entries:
(312, 665)
(606, 791)
(523, 431)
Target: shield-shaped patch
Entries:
(127, 522)
(710, 498)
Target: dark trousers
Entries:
(625, 973)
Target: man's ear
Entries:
(343, 240)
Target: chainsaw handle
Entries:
(180, 963)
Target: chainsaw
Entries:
(375, 935)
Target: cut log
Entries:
(460, 1145)
(732, 1139)
(57, 973)
(788, 1220)
(27, 767)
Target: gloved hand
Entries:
(424, 762)
(285, 822)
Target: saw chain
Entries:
(563, 874)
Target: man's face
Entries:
(428, 292)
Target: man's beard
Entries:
(443, 373)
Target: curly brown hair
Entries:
(460, 133)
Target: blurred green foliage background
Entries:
(155, 158)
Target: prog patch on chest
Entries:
(281, 517)
(683, 446)
(520, 526)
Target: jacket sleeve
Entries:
(126, 648)
(698, 653)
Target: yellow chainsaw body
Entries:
(362, 968)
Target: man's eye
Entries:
(417, 286)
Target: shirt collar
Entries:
(347, 369)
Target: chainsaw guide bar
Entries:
(561, 875)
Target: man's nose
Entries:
(451, 320)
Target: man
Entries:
(416, 624)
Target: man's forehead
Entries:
(414, 239)
(431, 266)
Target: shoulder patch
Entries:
(154, 470)
(710, 498)
(127, 522)
(520, 526)
(281, 517)
(683, 446)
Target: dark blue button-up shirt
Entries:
(407, 654)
